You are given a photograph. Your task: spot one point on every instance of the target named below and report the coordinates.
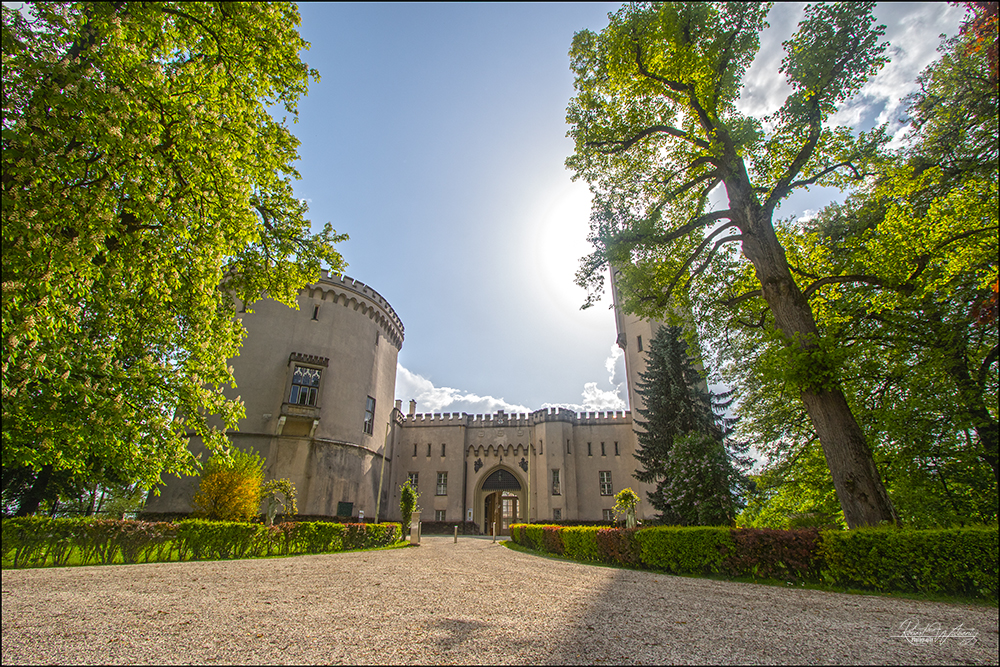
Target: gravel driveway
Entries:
(471, 602)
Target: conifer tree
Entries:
(679, 407)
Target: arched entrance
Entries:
(499, 499)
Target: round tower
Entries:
(318, 387)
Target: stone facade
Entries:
(318, 385)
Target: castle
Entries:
(318, 384)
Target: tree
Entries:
(626, 503)
(678, 407)
(914, 256)
(407, 504)
(656, 130)
(231, 487)
(146, 193)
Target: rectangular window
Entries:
(370, 416)
(442, 485)
(609, 515)
(414, 450)
(589, 453)
(639, 341)
(439, 515)
(602, 449)
(428, 450)
(606, 483)
(442, 450)
(567, 445)
(557, 514)
(556, 487)
(305, 384)
(616, 449)
(413, 477)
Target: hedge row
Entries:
(955, 561)
(39, 541)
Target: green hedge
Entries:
(40, 541)
(959, 561)
(949, 560)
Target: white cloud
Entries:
(446, 399)
(430, 398)
(807, 215)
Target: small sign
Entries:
(361, 515)
(469, 515)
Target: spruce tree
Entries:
(678, 405)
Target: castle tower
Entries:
(318, 385)
(634, 336)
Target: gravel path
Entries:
(440, 603)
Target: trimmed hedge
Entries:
(40, 541)
(949, 560)
(956, 561)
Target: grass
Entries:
(924, 597)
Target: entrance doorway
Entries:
(501, 502)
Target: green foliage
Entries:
(407, 504)
(956, 560)
(682, 449)
(278, 494)
(40, 541)
(951, 561)
(580, 543)
(896, 276)
(685, 550)
(656, 130)
(230, 488)
(146, 192)
(626, 503)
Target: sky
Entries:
(436, 138)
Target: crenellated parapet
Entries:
(502, 419)
(360, 297)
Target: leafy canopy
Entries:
(146, 192)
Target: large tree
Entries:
(919, 244)
(682, 448)
(146, 195)
(657, 129)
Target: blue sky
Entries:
(436, 139)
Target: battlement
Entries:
(369, 298)
(501, 419)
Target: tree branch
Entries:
(622, 145)
(855, 278)
(984, 368)
(743, 297)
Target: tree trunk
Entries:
(31, 500)
(859, 488)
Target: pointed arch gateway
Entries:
(499, 500)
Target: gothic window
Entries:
(442, 485)
(369, 426)
(305, 384)
(556, 487)
(605, 477)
